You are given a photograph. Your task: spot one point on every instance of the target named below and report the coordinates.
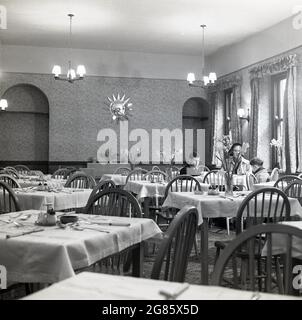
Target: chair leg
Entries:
(216, 255)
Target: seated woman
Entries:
(192, 162)
(260, 173)
(239, 164)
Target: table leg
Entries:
(204, 253)
(138, 260)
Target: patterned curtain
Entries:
(234, 117)
(292, 130)
(253, 134)
(291, 127)
(216, 98)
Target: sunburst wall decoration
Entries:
(119, 107)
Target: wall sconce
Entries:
(3, 104)
(242, 116)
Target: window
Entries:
(228, 100)
(278, 90)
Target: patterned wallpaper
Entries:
(77, 111)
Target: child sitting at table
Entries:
(260, 173)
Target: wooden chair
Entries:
(8, 200)
(114, 202)
(173, 255)
(173, 172)
(12, 182)
(216, 179)
(274, 174)
(294, 190)
(250, 180)
(124, 171)
(22, 169)
(254, 211)
(62, 173)
(136, 174)
(12, 172)
(102, 185)
(155, 176)
(164, 216)
(252, 269)
(284, 181)
(203, 168)
(80, 181)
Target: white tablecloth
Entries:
(56, 183)
(53, 254)
(145, 189)
(65, 199)
(92, 286)
(269, 184)
(118, 179)
(215, 206)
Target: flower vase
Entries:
(228, 187)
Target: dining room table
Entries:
(118, 179)
(268, 184)
(58, 198)
(33, 253)
(93, 286)
(216, 206)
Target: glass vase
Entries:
(229, 187)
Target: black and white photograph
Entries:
(150, 154)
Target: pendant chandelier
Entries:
(72, 75)
(206, 80)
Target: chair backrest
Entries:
(182, 183)
(274, 175)
(22, 169)
(155, 168)
(250, 180)
(300, 176)
(62, 173)
(8, 200)
(12, 172)
(172, 258)
(284, 181)
(136, 174)
(202, 167)
(155, 176)
(255, 251)
(263, 206)
(294, 190)
(172, 172)
(124, 171)
(102, 185)
(215, 178)
(12, 182)
(80, 180)
(114, 202)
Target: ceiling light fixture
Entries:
(72, 75)
(206, 80)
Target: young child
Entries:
(260, 173)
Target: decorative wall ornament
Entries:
(119, 107)
(274, 66)
(227, 83)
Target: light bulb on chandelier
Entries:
(206, 80)
(72, 75)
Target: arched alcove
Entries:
(196, 115)
(25, 124)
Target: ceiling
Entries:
(155, 26)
